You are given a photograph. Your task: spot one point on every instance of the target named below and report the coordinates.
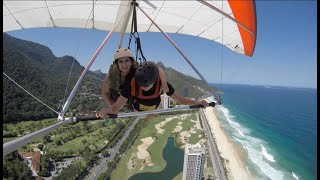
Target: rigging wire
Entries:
(206, 94)
(17, 143)
(76, 53)
(30, 93)
(222, 57)
(70, 98)
(185, 57)
(134, 33)
(107, 62)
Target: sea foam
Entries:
(241, 133)
(230, 119)
(266, 154)
(256, 157)
(295, 176)
(253, 146)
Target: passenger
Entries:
(120, 73)
(144, 90)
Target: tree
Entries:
(58, 142)
(14, 168)
(40, 146)
(84, 141)
(46, 138)
(85, 125)
(5, 127)
(105, 153)
(44, 172)
(77, 129)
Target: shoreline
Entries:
(229, 150)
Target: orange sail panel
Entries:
(244, 12)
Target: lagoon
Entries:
(174, 158)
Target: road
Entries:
(102, 166)
(213, 150)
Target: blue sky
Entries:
(285, 53)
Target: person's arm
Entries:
(187, 101)
(105, 91)
(164, 87)
(114, 109)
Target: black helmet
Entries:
(147, 73)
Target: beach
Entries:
(265, 157)
(233, 153)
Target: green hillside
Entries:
(44, 75)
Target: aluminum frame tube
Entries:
(157, 111)
(185, 57)
(19, 142)
(67, 103)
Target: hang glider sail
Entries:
(204, 19)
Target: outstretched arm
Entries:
(187, 101)
(164, 86)
(105, 91)
(114, 109)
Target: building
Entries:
(165, 101)
(33, 159)
(194, 156)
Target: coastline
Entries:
(230, 151)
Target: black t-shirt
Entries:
(114, 94)
(145, 104)
(128, 78)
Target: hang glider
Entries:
(204, 19)
(231, 23)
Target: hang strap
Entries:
(134, 33)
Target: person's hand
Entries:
(203, 103)
(164, 88)
(103, 113)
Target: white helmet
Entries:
(123, 52)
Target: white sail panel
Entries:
(183, 17)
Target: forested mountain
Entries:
(196, 87)
(44, 75)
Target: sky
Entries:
(285, 52)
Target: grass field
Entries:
(25, 127)
(73, 137)
(156, 148)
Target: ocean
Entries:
(277, 126)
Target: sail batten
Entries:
(188, 17)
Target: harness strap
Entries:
(134, 30)
(137, 91)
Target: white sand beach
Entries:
(142, 150)
(141, 154)
(232, 152)
(159, 125)
(228, 150)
